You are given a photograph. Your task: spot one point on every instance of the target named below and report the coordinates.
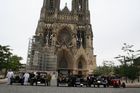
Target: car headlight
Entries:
(98, 81)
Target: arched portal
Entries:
(64, 62)
(81, 65)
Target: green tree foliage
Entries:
(8, 60)
(129, 62)
(14, 63)
(4, 56)
(137, 62)
(132, 72)
(106, 69)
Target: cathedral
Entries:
(63, 41)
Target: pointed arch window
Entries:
(80, 5)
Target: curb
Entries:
(2, 81)
(133, 86)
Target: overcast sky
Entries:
(114, 22)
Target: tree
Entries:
(106, 69)
(4, 56)
(137, 64)
(127, 68)
(14, 63)
(8, 60)
(132, 72)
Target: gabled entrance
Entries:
(64, 62)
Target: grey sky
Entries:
(114, 22)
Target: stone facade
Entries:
(63, 39)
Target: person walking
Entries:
(10, 76)
(26, 78)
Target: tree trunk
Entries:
(126, 79)
(5, 73)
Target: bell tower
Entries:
(80, 6)
(51, 4)
(63, 40)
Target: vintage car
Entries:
(63, 77)
(76, 80)
(102, 82)
(18, 78)
(39, 79)
(62, 80)
(116, 83)
(97, 81)
(80, 81)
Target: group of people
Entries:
(26, 78)
(10, 77)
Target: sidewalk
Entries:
(133, 85)
(2, 81)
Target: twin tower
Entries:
(63, 41)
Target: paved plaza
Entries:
(53, 89)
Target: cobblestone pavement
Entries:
(44, 89)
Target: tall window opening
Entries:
(51, 4)
(80, 5)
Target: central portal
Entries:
(64, 62)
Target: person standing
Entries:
(26, 78)
(10, 76)
(22, 78)
(49, 77)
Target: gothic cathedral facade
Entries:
(63, 40)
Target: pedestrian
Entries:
(49, 77)
(22, 78)
(123, 85)
(26, 78)
(10, 76)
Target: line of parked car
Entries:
(72, 80)
(89, 81)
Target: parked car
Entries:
(40, 78)
(97, 81)
(116, 83)
(62, 80)
(76, 80)
(18, 78)
(80, 81)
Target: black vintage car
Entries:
(63, 77)
(80, 81)
(62, 80)
(39, 79)
(77, 80)
(97, 81)
(101, 81)
(18, 78)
